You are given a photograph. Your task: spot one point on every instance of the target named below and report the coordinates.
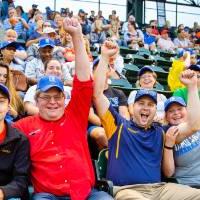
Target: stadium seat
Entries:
(100, 168)
(124, 51)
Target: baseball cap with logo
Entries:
(48, 82)
(46, 42)
(5, 91)
(174, 99)
(145, 92)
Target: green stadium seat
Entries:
(140, 61)
(131, 72)
(100, 168)
(124, 51)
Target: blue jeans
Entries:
(94, 195)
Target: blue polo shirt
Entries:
(135, 153)
(149, 39)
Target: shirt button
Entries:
(61, 166)
(51, 131)
(52, 142)
(56, 154)
(65, 181)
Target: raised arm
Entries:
(168, 165)
(186, 129)
(108, 49)
(82, 65)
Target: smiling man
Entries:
(136, 146)
(61, 164)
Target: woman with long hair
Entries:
(16, 104)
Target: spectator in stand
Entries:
(16, 23)
(98, 35)
(154, 29)
(5, 4)
(147, 80)
(16, 110)
(33, 22)
(181, 41)
(52, 67)
(131, 19)
(182, 160)
(35, 67)
(149, 40)
(14, 157)
(61, 176)
(7, 51)
(164, 42)
(21, 13)
(183, 92)
(35, 37)
(11, 36)
(92, 16)
(133, 36)
(86, 27)
(136, 146)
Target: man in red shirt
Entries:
(61, 164)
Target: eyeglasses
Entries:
(48, 98)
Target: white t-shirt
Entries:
(165, 44)
(30, 94)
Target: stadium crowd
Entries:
(59, 106)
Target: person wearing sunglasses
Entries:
(136, 145)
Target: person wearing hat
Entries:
(183, 92)
(35, 68)
(61, 164)
(136, 146)
(181, 160)
(147, 80)
(164, 42)
(149, 40)
(14, 155)
(7, 51)
(86, 27)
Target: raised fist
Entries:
(72, 26)
(188, 78)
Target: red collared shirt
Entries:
(61, 162)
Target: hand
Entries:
(72, 26)
(189, 78)
(109, 49)
(1, 195)
(170, 136)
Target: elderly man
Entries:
(136, 146)
(61, 165)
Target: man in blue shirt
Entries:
(136, 146)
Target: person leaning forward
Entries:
(61, 164)
(136, 146)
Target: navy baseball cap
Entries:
(174, 99)
(48, 82)
(145, 69)
(194, 67)
(46, 42)
(6, 44)
(5, 91)
(149, 93)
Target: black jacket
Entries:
(14, 164)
